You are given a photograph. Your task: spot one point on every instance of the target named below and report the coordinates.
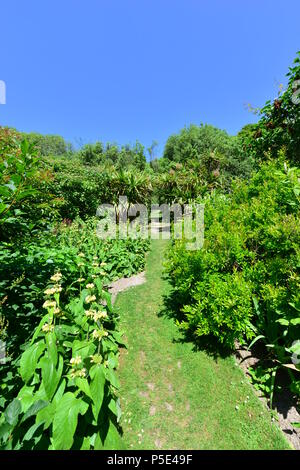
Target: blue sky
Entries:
(121, 70)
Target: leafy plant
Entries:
(68, 386)
(244, 283)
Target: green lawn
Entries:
(174, 397)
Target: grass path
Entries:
(173, 397)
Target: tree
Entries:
(279, 125)
(48, 144)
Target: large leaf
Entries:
(50, 375)
(34, 409)
(97, 388)
(83, 385)
(26, 397)
(65, 421)
(83, 348)
(30, 359)
(44, 320)
(46, 415)
(113, 439)
(31, 431)
(112, 378)
(12, 412)
(51, 347)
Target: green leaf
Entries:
(26, 397)
(295, 348)
(115, 408)
(112, 378)
(12, 412)
(85, 444)
(31, 431)
(83, 348)
(65, 420)
(30, 359)
(113, 439)
(34, 409)
(97, 386)
(254, 341)
(83, 385)
(44, 320)
(5, 430)
(97, 443)
(46, 415)
(51, 347)
(50, 375)
(283, 321)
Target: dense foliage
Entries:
(279, 124)
(81, 188)
(48, 144)
(58, 383)
(122, 157)
(244, 283)
(217, 154)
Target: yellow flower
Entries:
(95, 258)
(99, 334)
(103, 263)
(96, 265)
(90, 298)
(96, 359)
(98, 315)
(47, 327)
(56, 311)
(76, 360)
(49, 304)
(56, 277)
(90, 313)
(77, 373)
(94, 276)
(90, 286)
(80, 265)
(80, 279)
(82, 255)
(50, 291)
(57, 288)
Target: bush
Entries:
(245, 280)
(222, 307)
(65, 359)
(216, 156)
(81, 189)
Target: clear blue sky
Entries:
(121, 70)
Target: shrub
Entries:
(65, 390)
(245, 280)
(222, 307)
